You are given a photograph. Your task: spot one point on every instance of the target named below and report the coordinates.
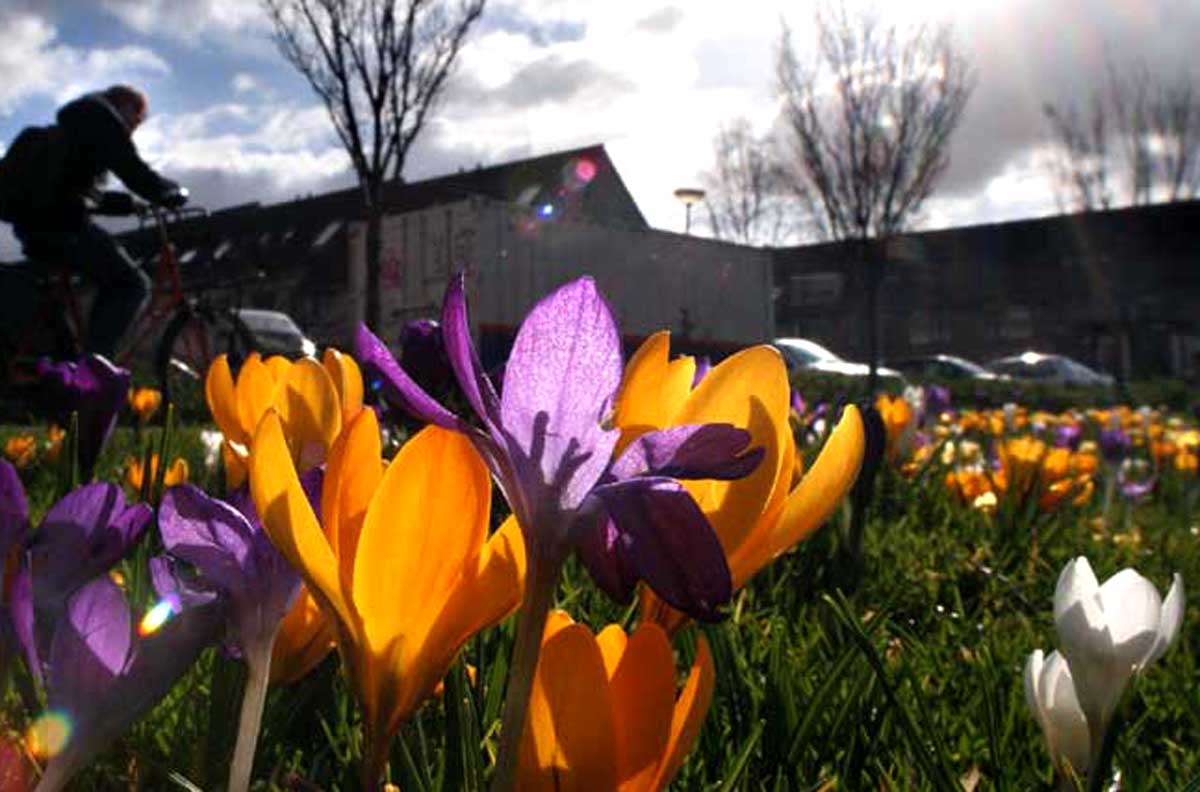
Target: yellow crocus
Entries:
(21, 450)
(304, 638)
(762, 515)
(400, 562)
(603, 714)
(1021, 463)
(305, 394)
(898, 416)
(176, 472)
(144, 402)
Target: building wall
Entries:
(713, 296)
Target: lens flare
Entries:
(157, 616)
(585, 170)
(48, 734)
(546, 210)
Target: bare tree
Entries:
(870, 116)
(746, 191)
(380, 67)
(1081, 159)
(1157, 136)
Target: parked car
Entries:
(943, 367)
(803, 354)
(1050, 369)
(276, 333)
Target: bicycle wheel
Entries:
(191, 342)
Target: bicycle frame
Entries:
(166, 293)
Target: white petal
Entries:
(1033, 672)
(1064, 715)
(1169, 624)
(1076, 582)
(1132, 613)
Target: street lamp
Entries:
(689, 196)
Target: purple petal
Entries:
(559, 385)
(208, 533)
(155, 664)
(671, 544)
(374, 355)
(605, 552)
(14, 509)
(703, 366)
(694, 451)
(170, 585)
(90, 646)
(82, 535)
(20, 611)
(464, 359)
(96, 390)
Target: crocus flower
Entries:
(93, 388)
(176, 472)
(144, 402)
(1068, 435)
(1132, 488)
(400, 561)
(14, 516)
(899, 419)
(547, 445)
(1114, 444)
(424, 355)
(305, 394)
(238, 560)
(761, 515)
(937, 401)
(100, 679)
(80, 538)
(1050, 694)
(54, 442)
(604, 715)
(1108, 633)
(21, 450)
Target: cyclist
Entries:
(51, 177)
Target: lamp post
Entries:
(689, 196)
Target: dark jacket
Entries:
(93, 140)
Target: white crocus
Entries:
(1050, 693)
(1108, 633)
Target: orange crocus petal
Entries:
(749, 390)
(308, 404)
(235, 467)
(278, 366)
(177, 473)
(304, 639)
(493, 588)
(642, 690)
(653, 389)
(568, 739)
(222, 401)
(688, 716)
(255, 392)
(349, 484)
(288, 519)
(347, 378)
(811, 503)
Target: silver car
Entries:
(803, 354)
(1050, 369)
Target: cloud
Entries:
(662, 21)
(237, 25)
(33, 62)
(540, 28)
(553, 78)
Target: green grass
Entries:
(906, 677)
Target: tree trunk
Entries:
(374, 251)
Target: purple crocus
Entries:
(1114, 445)
(100, 678)
(1068, 435)
(235, 558)
(937, 401)
(703, 366)
(1134, 490)
(93, 388)
(14, 512)
(545, 439)
(798, 404)
(424, 355)
(551, 454)
(82, 536)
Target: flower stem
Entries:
(254, 699)
(541, 583)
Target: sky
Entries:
(651, 80)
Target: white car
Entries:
(803, 354)
(1051, 369)
(276, 333)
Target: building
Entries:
(518, 230)
(1119, 289)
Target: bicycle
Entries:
(190, 332)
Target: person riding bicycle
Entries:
(50, 179)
